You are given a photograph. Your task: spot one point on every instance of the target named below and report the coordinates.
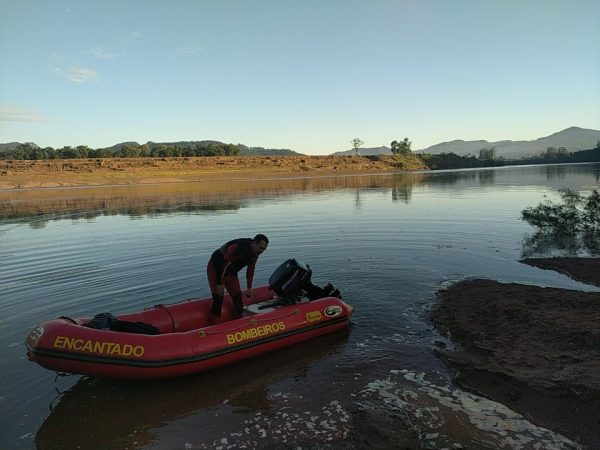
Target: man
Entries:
(223, 267)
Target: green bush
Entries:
(575, 213)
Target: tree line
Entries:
(31, 151)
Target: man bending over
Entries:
(223, 268)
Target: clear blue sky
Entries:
(305, 75)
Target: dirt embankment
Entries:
(534, 349)
(112, 171)
(586, 270)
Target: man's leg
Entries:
(215, 310)
(232, 283)
(238, 304)
(217, 303)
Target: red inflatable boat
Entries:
(186, 341)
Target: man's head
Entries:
(259, 244)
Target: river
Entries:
(388, 242)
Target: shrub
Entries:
(576, 213)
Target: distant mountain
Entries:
(365, 151)
(117, 147)
(573, 139)
(9, 145)
(244, 150)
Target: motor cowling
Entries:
(292, 280)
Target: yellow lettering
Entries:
(68, 344)
(107, 348)
(98, 347)
(255, 332)
(59, 342)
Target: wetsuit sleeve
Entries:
(250, 273)
(229, 257)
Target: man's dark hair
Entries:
(260, 237)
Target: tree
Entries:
(402, 147)
(575, 213)
(356, 142)
(28, 150)
(231, 150)
(551, 153)
(67, 152)
(487, 154)
(104, 153)
(82, 151)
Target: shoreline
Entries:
(534, 349)
(49, 174)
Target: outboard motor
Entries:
(292, 280)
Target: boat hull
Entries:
(187, 342)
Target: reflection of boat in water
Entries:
(125, 414)
(186, 342)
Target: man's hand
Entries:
(220, 289)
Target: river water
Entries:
(388, 242)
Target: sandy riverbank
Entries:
(119, 171)
(534, 349)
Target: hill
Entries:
(573, 139)
(9, 146)
(244, 150)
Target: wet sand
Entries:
(533, 349)
(586, 270)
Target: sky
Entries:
(306, 75)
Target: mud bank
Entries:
(586, 270)
(534, 349)
(127, 171)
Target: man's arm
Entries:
(250, 272)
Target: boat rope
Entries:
(174, 323)
(58, 391)
(60, 375)
(253, 321)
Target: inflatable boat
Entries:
(179, 339)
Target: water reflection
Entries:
(543, 244)
(555, 171)
(41, 205)
(123, 414)
(402, 193)
(486, 177)
(176, 198)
